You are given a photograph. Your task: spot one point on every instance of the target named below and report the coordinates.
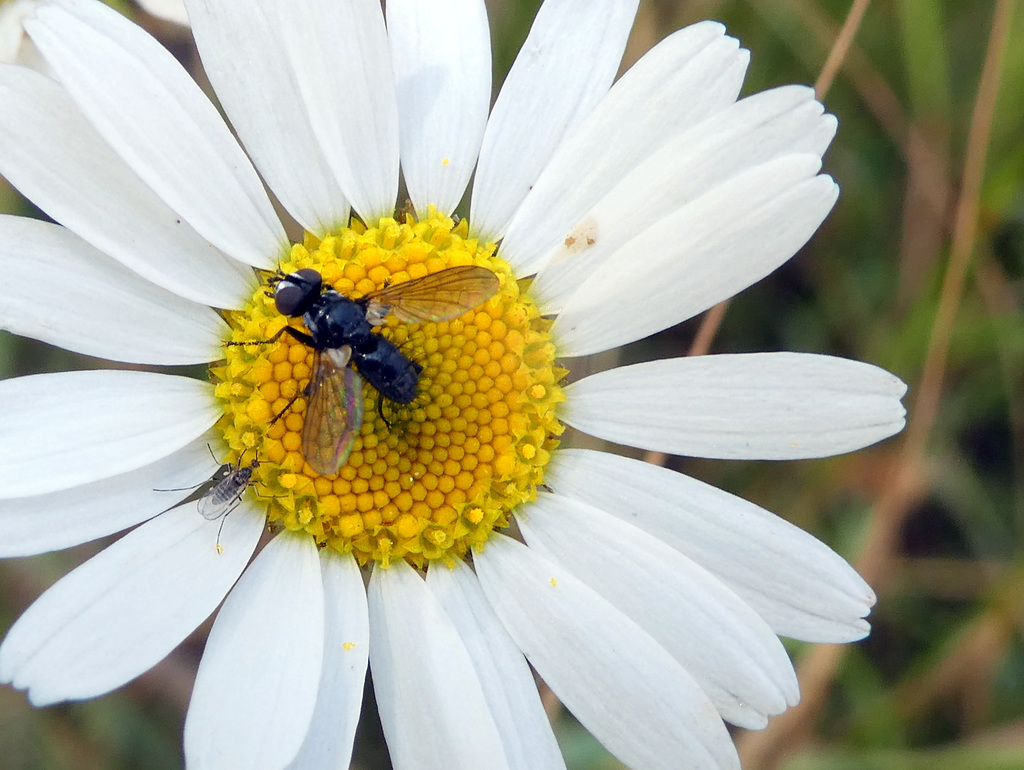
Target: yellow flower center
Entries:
(425, 480)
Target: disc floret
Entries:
(426, 480)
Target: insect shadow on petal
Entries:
(348, 351)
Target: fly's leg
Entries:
(302, 337)
(304, 393)
(380, 411)
(218, 546)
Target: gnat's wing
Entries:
(435, 297)
(334, 411)
(226, 493)
(217, 501)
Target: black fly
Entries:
(341, 332)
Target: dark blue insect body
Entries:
(335, 321)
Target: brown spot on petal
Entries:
(581, 237)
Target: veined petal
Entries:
(764, 127)
(601, 664)
(146, 106)
(731, 652)
(441, 54)
(62, 519)
(507, 681)
(245, 58)
(431, 704)
(125, 609)
(704, 253)
(338, 50)
(754, 406)
(58, 160)
(799, 585)
(71, 428)
(688, 76)
(61, 290)
(339, 698)
(565, 66)
(256, 686)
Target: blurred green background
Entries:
(919, 269)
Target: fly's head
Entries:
(296, 292)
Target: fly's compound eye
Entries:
(296, 291)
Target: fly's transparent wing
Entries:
(435, 297)
(222, 498)
(334, 411)
(218, 501)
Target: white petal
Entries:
(704, 253)
(565, 66)
(71, 428)
(688, 76)
(339, 699)
(256, 686)
(755, 406)
(430, 700)
(507, 681)
(443, 80)
(623, 686)
(62, 519)
(761, 128)
(104, 309)
(12, 34)
(146, 106)
(170, 10)
(57, 160)
(722, 642)
(125, 609)
(338, 50)
(799, 585)
(244, 56)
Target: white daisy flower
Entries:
(649, 602)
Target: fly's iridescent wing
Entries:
(334, 411)
(436, 297)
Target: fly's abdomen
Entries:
(406, 384)
(391, 372)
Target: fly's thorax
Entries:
(336, 320)
(445, 468)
